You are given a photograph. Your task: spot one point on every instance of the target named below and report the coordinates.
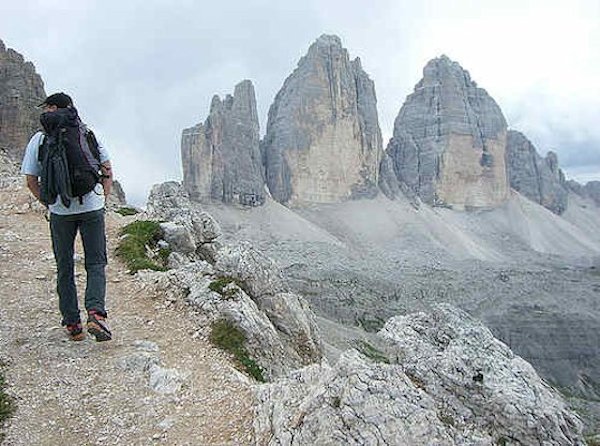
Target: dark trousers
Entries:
(63, 229)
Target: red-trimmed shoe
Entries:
(97, 327)
(76, 332)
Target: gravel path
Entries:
(159, 381)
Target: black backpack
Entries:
(69, 157)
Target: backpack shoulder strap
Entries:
(93, 144)
(40, 147)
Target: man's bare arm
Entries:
(33, 185)
(107, 179)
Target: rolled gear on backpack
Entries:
(69, 156)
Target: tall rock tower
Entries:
(221, 158)
(448, 146)
(21, 90)
(539, 179)
(323, 142)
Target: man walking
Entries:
(74, 207)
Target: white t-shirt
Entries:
(92, 201)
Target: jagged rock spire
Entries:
(539, 179)
(449, 142)
(221, 158)
(323, 142)
(21, 90)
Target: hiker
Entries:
(68, 171)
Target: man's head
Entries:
(56, 101)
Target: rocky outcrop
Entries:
(221, 158)
(539, 179)
(440, 378)
(232, 282)
(21, 90)
(323, 142)
(449, 140)
(590, 190)
(117, 197)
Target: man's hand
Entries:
(107, 178)
(34, 186)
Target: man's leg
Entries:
(63, 229)
(94, 245)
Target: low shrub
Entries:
(137, 238)
(126, 211)
(218, 286)
(225, 335)
(371, 352)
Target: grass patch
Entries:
(370, 324)
(126, 211)
(7, 404)
(225, 335)
(218, 286)
(593, 440)
(137, 237)
(371, 352)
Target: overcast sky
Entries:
(141, 71)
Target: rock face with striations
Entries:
(449, 142)
(440, 378)
(21, 90)
(221, 158)
(323, 142)
(539, 179)
(232, 282)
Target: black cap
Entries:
(61, 100)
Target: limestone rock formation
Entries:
(232, 282)
(117, 197)
(323, 142)
(21, 90)
(221, 158)
(441, 378)
(539, 179)
(590, 190)
(449, 142)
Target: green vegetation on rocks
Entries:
(7, 405)
(371, 352)
(138, 239)
(126, 211)
(225, 335)
(219, 285)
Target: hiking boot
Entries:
(97, 327)
(76, 332)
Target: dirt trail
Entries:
(91, 393)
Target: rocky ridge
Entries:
(323, 142)
(539, 179)
(449, 140)
(446, 394)
(279, 326)
(440, 378)
(21, 90)
(590, 190)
